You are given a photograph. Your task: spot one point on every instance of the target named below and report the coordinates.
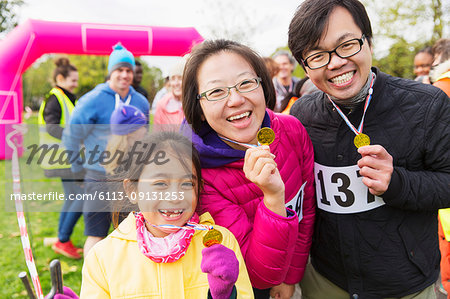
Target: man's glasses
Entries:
(344, 50)
(219, 93)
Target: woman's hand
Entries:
(261, 169)
(282, 291)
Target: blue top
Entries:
(89, 124)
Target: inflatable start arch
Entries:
(29, 41)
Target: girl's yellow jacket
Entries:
(115, 268)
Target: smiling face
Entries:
(121, 79)
(422, 64)
(239, 115)
(175, 86)
(342, 78)
(168, 192)
(69, 83)
(285, 67)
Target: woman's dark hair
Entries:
(427, 50)
(63, 68)
(311, 19)
(442, 47)
(200, 53)
(174, 143)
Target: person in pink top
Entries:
(169, 110)
(262, 193)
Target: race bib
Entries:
(340, 190)
(296, 203)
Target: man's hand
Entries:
(376, 167)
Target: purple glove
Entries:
(68, 294)
(222, 267)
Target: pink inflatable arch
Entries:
(32, 39)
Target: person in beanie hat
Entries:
(120, 57)
(128, 125)
(89, 125)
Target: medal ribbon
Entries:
(189, 225)
(366, 105)
(247, 145)
(118, 101)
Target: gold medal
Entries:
(212, 237)
(265, 136)
(361, 140)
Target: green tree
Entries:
(37, 82)
(407, 26)
(8, 17)
(152, 79)
(399, 61)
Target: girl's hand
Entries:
(260, 168)
(222, 267)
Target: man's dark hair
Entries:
(311, 20)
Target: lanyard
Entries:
(188, 225)
(366, 105)
(118, 101)
(247, 145)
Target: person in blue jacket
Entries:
(89, 126)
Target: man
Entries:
(137, 79)
(377, 204)
(89, 125)
(283, 82)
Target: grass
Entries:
(40, 225)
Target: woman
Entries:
(169, 110)
(247, 188)
(54, 113)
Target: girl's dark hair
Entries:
(169, 142)
(311, 19)
(200, 53)
(63, 68)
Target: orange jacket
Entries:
(444, 246)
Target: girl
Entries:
(158, 252)
(248, 188)
(54, 113)
(128, 125)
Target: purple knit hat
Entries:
(126, 119)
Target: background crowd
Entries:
(219, 96)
